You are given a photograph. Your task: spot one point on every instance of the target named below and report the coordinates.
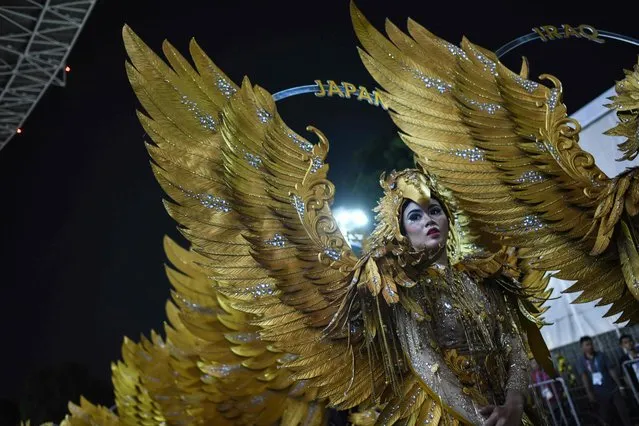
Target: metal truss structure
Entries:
(36, 37)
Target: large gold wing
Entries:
(505, 146)
(252, 197)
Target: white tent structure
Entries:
(571, 321)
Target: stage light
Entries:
(68, 69)
(19, 130)
(350, 219)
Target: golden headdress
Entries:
(420, 187)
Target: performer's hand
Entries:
(508, 414)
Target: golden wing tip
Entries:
(355, 12)
(194, 47)
(246, 83)
(166, 44)
(128, 34)
(167, 242)
(390, 26)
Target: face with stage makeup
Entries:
(426, 227)
(416, 219)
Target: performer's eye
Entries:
(414, 217)
(435, 211)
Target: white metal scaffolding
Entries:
(36, 37)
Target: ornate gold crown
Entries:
(418, 186)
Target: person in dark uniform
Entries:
(630, 353)
(602, 383)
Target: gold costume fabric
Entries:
(468, 351)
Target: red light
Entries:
(68, 69)
(19, 131)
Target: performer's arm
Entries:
(516, 386)
(518, 379)
(518, 373)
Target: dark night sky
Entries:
(82, 221)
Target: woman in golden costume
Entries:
(273, 318)
(457, 331)
(452, 330)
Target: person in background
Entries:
(553, 396)
(630, 353)
(538, 376)
(602, 383)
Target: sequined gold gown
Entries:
(469, 336)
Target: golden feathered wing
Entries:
(252, 197)
(506, 148)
